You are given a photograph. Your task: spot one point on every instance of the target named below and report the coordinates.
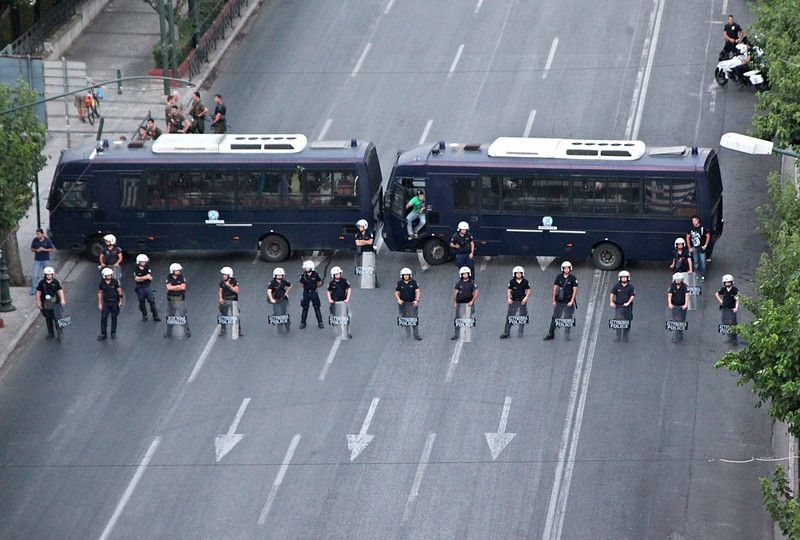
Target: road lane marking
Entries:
(421, 467)
(225, 443)
(643, 76)
(724, 7)
(478, 7)
(498, 440)
(550, 56)
(131, 486)
(325, 129)
(357, 442)
(361, 60)
(426, 131)
(451, 369)
(329, 360)
(203, 355)
(279, 478)
(455, 60)
(529, 123)
(388, 7)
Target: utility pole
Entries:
(162, 19)
(172, 44)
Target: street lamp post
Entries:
(753, 146)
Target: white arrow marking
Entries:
(498, 441)
(225, 443)
(356, 443)
(544, 261)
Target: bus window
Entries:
(344, 188)
(221, 189)
(670, 197)
(464, 195)
(606, 197)
(490, 193)
(130, 191)
(319, 188)
(72, 194)
(156, 199)
(265, 188)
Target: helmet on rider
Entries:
(519, 269)
(727, 278)
(624, 274)
(110, 239)
(106, 272)
(49, 270)
(464, 270)
(142, 258)
(566, 264)
(226, 270)
(175, 267)
(677, 276)
(335, 270)
(278, 272)
(680, 241)
(463, 226)
(308, 266)
(362, 223)
(405, 271)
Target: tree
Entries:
(781, 503)
(22, 140)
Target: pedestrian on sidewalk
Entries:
(198, 112)
(219, 124)
(41, 247)
(109, 300)
(49, 294)
(80, 106)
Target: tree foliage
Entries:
(781, 503)
(22, 139)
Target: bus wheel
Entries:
(274, 248)
(94, 248)
(607, 256)
(435, 252)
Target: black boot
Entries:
(154, 312)
(318, 313)
(103, 330)
(506, 331)
(552, 332)
(303, 318)
(113, 328)
(50, 330)
(143, 310)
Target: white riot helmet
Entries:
(463, 226)
(727, 278)
(742, 48)
(142, 258)
(405, 271)
(677, 276)
(566, 264)
(680, 240)
(623, 274)
(464, 270)
(105, 272)
(175, 267)
(110, 239)
(49, 270)
(335, 270)
(227, 270)
(308, 265)
(362, 223)
(518, 269)
(278, 272)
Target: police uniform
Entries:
(462, 253)
(338, 291)
(407, 291)
(109, 258)
(565, 285)
(228, 297)
(678, 293)
(278, 288)
(518, 291)
(199, 119)
(365, 235)
(110, 299)
(144, 291)
(680, 260)
(465, 293)
(729, 297)
(49, 298)
(310, 282)
(621, 294)
(176, 303)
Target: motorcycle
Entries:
(734, 67)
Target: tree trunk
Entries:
(11, 255)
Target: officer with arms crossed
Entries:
(144, 291)
(227, 294)
(621, 299)
(111, 256)
(463, 246)
(176, 298)
(49, 294)
(365, 243)
(109, 300)
(339, 291)
(676, 302)
(565, 291)
(278, 294)
(465, 292)
(517, 297)
(311, 281)
(681, 258)
(728, 298)
(406, 294)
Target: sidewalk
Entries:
(120, 37)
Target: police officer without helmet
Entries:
(49, 293)
(728, 298)
(278, 293)
(365, 242)
(565, 292)
(465, 292)
(621, 299)
(143, 277)
(406, 294)
(41, 247)
(339, 291)
(176, 298)
(677, 302)
(311, 281)
(227, 294)
(111, 256)
(698, 238)
(109, 300)
(517, 298)
(681, 258)
(463, 245)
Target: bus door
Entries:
(464, 195)
(72, 210)
(105, 197)
(131, 219)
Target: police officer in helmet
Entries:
(517, 298)
(311, 281)
(621, 299)
(143, 277)
(109, 300)
(406, 294)
(227, 294)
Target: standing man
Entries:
(219, 123)
(698, 238)
(621, 299)
(417, 206)
(406, 294)
(565, 291)
(172, 99)
(339, 291)
(733, 35)
(178, 122)
(311, 281)
(365, 243)
(465, 292)
(517, 298)
(49, 294)
(41, 247)
(681, 258)
(198, 112)
(176, 298)
(227, 294)
(144, 290)
(463, 246)
(111, 256)
(278, 294)
(728, 298)
(109, 300)
(676, 302)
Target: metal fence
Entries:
(32, 41)
(223, 21)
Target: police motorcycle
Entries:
(745, 66)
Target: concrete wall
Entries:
(64, 36)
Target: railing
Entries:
(208, 41)
(32, 41)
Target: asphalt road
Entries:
(117, 439)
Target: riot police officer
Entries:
(50, 294)
(311, 281)
(109, 300)
(463, 245)
(565, 292)
(365, 243)
(464, 292)
(728, 298)
(144, 291)
(176, 298)
(677, 302)
(406, 294)
(681, 258)
(621, 299)
(111, 256)
(227, 294)
(339, 290)
(278, 294)
(517, 297)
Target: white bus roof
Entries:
(179, 143)
(522, 147)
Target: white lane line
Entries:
(279, 478)
(455, 60)
(643, 76)
(203, 355)
(724, 7)
(388, 7)
(426, 131)
(423, 465)
(325, 127)
(478, 7)
(129, 490)
(451, 369)
(550, 56)
(529, 123)
(329, 360)
(361, 59)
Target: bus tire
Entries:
(435, 252)
(94, 248)
(274, 248)
(607, 256)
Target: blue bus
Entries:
(273, 193)
(608, 200)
